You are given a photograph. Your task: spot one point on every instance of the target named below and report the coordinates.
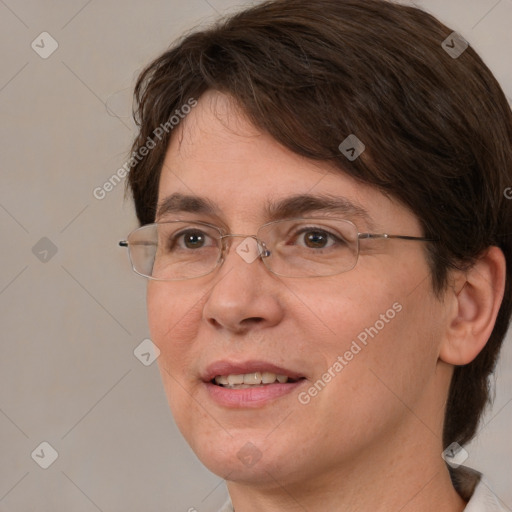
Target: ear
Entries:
(473, 303)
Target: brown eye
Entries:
(317, 238)
(188, 239)
(193, 240)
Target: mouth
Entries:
(249, 384)
(250, 380)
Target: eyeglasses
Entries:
(301, 247)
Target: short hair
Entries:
(437, 129)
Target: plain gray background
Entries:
(72, 311)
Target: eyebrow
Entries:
(289, 207)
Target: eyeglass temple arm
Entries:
(125, 243)
(402, 237)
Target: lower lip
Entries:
(256, 396)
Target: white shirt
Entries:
(470, 484)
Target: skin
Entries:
(371, 439)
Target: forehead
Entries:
(220, 165)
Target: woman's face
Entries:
(359, 345)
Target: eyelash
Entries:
(320, 230)
(175, 238)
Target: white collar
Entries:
(481, 498)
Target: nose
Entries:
(244, 291)
(248, 249)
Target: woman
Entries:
(327, 241)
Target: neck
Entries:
(401, 472)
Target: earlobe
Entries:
(476, 298)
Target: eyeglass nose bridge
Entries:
(262, 246)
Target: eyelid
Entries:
(224, 228)
(189, 218)
(332, 236)
(187, 229)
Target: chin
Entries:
(247, 457)
(257, 468)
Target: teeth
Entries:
(235, 379)
(250, 379)
(268, 378)
(222, 380)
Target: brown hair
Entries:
(437, 129)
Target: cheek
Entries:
(173, 323)
(350, 309)
(160, 316)
(383, 341)
(171, 314)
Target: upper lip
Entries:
(238, 368)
